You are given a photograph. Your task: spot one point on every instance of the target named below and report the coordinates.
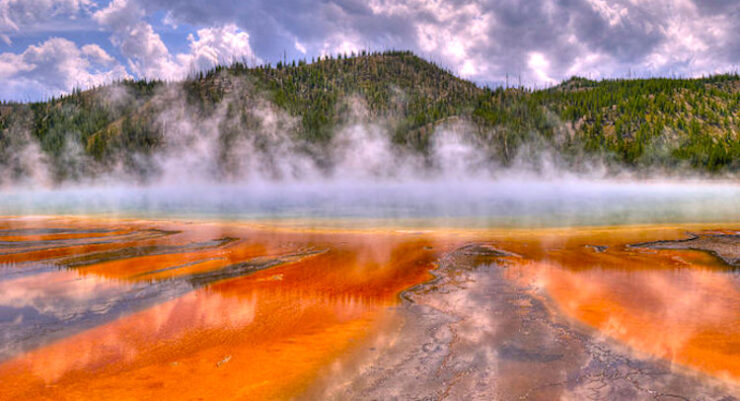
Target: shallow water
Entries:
(134, 308)
(509, 202)
(679, 305)
(153, 306)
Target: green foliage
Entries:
(637, 123)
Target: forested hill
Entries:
(640, 124)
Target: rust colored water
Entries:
(681, 305)
(111, 309)
(230, 334)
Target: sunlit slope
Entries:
(639, 123)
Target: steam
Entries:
(244, 158)
(246, 138)
(21, 160)
(264, 149)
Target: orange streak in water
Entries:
(269, 334)
(261, 336)
(673, 304)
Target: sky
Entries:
(49, 47)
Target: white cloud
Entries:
(219, 45)
(344, 43)
(610, 12)
(148, 56)
(452, 33)
(96, 54)
(299, 46)
(540, 66)
(55, 66)
(691, 41)
(119, 15)
(169, 21)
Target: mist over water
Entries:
(474, 203)
(262, 171)
(284, 295)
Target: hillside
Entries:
(640, 124)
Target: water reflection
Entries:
(681, 305)
(113, 309)
(257, 315)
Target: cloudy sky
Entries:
(48, 47)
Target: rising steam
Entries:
(243, 159)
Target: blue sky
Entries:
(48, 47)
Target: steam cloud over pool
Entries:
(519, 201)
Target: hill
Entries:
(639, 124)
